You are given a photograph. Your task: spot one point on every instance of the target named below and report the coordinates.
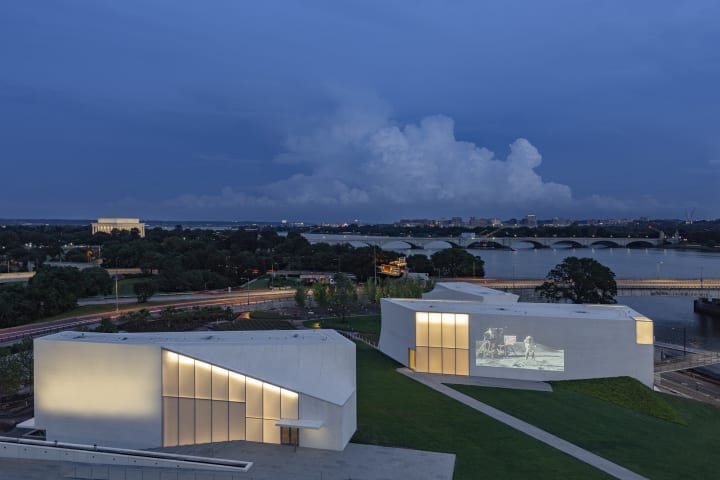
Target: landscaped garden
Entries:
(655, 435)
(394, 410)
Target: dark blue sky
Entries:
(331, 111)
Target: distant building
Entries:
(107, 225)
(531, 220)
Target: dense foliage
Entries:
(579, 280)
(53, 290)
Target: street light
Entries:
(247, 285)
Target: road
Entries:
(235, 301)
(690, 385)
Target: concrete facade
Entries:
(522, 341)
(155, 390)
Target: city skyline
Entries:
(334, 112)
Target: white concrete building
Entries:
(166, 389)
(468, 292)
(524, 341)
(107, 225)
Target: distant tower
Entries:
(531, 220)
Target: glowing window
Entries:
(643, 331)
(435, 330)
(421, 329)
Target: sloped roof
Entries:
(319, 363)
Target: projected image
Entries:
(501, 347)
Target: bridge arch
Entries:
(639, 244)
(567, 244)
(606, 243)
(486, 244)
(440, 245)
(398, 245)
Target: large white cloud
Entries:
(359, 159)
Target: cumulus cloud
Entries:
(360, 158)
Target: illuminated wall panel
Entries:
(220, 383)
(448, 361)
(447, 340)
(204, 403)
(422, 359)
(435, 363)
(253, 429)
(288, 404)
(203, 380)
(203, 421)
(271, 433)
(237, 387)
(254, 398)
(643, 331)
(271, 401)
(236, 421)
(187, 377)
(421, 329)
(220, 421)
(448, 330)
(170, 421)
(462, 362)
(435, 330)
(170, 365)
(186, 421)
(461, 331)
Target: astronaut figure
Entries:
(529, 347)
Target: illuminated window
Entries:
(643, 331)
(204, 403)
(441, 343)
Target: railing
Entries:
(370, 339)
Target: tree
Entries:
(579, 280)
(301, 296)
(456, 262)
(420, 263)
(343, 296)
(320, 295)
(144, 290)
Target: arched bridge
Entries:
(482, 242)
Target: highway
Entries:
(185, 300)
(622, 283)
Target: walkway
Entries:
(581, 454)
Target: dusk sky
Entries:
(370, 110)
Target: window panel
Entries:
(236, 421)
(435, 330)
(170, 422)
(203, 380)
(219, 383)
(271, 433)
(254, 398)
(448, 361)
(271, 401)
(644, 332)
(220, 421)
(288, 404)
(435, 360)
(170, 366)
(186, 421)
(254, 429)
(448, 330)
(187, 377)
(421, 329)
(461, 331)
(422, 356)
(462, 362)
(237, 387)
(203, 421)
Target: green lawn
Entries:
(125, 286)
(657, 448)
(360, 323)
(394, 410)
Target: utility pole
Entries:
(117, 298)
(374, 266)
